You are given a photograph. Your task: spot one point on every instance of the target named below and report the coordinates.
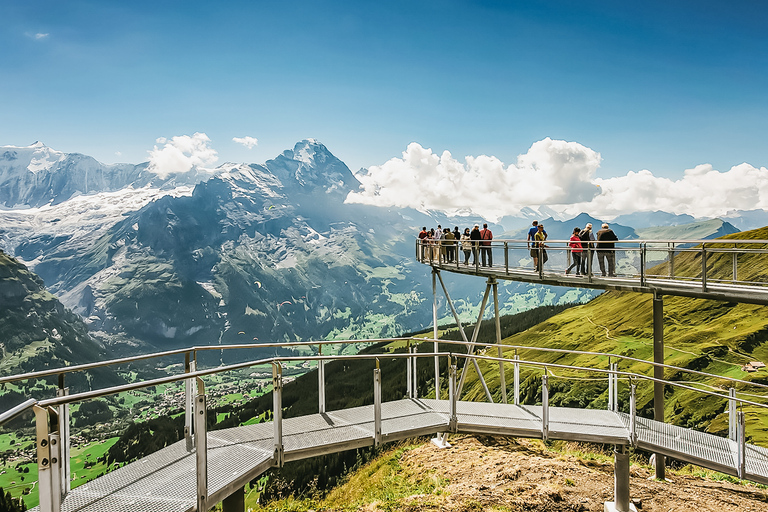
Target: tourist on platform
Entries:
(576, 251)
(531, 238)
(475, 236)
(606, 250)
(466, 245)
(450, 245)
(456, 235)
(422, 235)
(486, 252)
(539, 245)
(588, 245)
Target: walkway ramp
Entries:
(165, 481)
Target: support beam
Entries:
(621, 482)
(434, 331)
(503, 381)
(235, 502)
(658, 372)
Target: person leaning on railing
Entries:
(539, 246)
(606, 250)
(466, 245)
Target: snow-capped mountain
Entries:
(250, 253)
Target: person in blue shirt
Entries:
(531, 238)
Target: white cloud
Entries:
(552, 172)
(248, 142)
(180, 154)
(38, 36)
(556, 174)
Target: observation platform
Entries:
(706, 269)
(166, 480)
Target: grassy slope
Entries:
(709, 336)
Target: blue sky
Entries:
(662, 86)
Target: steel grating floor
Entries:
(165, 480)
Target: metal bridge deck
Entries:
(165, 480)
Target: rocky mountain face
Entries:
(252, 253)
(38, 331)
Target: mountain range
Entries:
(239, 253)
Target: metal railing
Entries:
(638, 260)
(52, 429)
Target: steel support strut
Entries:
(434, 331)
(377, 405)
(277, 412)
(658, 372)
(48, 458)
(503, 381)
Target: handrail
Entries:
(16, 410)
(98, 364)
(604, 354)
(613, 372)
(86, 395)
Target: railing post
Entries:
(643, 249)
(516, 366)
(703, 268)
(201, 446)
(671, 250)
(610, 385)
(633, 414)
(506, 258)
(544, 406)
(189, 400)
(64, 440)
(742, 446)
(453, 421)
(277, 412)
(321, 383)
(49, 476)
(377, 404)
(541, 261)
(735, 268)
(415, 380)
(732, 416)
(408, 372)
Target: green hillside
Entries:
(709, 336)
(692, 231)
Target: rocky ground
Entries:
(489, 473)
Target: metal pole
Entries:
(506, 258)
(735, 269)
(742, 446)
(672, 262)
(408, 372)
(544, 406)
(277, 412)
(503, 381)
(65, 445)
(453, 396)
(201, 447)
(377, 404)
(658, 372)
(621, 478)
(732, 416)
(189, 400)
(610, 386)
(517, 379)
(321, 382)
(703, 268)
(46, 493)
(57, 491)
(434, 332)
(643, 248)
(415, 381)
(633, 414)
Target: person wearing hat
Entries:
(588, 245)
(606, 250)
(475, 236)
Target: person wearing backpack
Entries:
(587, 244)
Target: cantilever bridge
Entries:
(210, 467)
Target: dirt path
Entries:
(490, 473)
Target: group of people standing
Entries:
(584, 244)
(444, 244)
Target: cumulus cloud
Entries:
(556, 174)
(552, 172)
(180, 154)
(248, 142)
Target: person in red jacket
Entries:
(576, 250)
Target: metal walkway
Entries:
(711, 268)
(165, 481)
